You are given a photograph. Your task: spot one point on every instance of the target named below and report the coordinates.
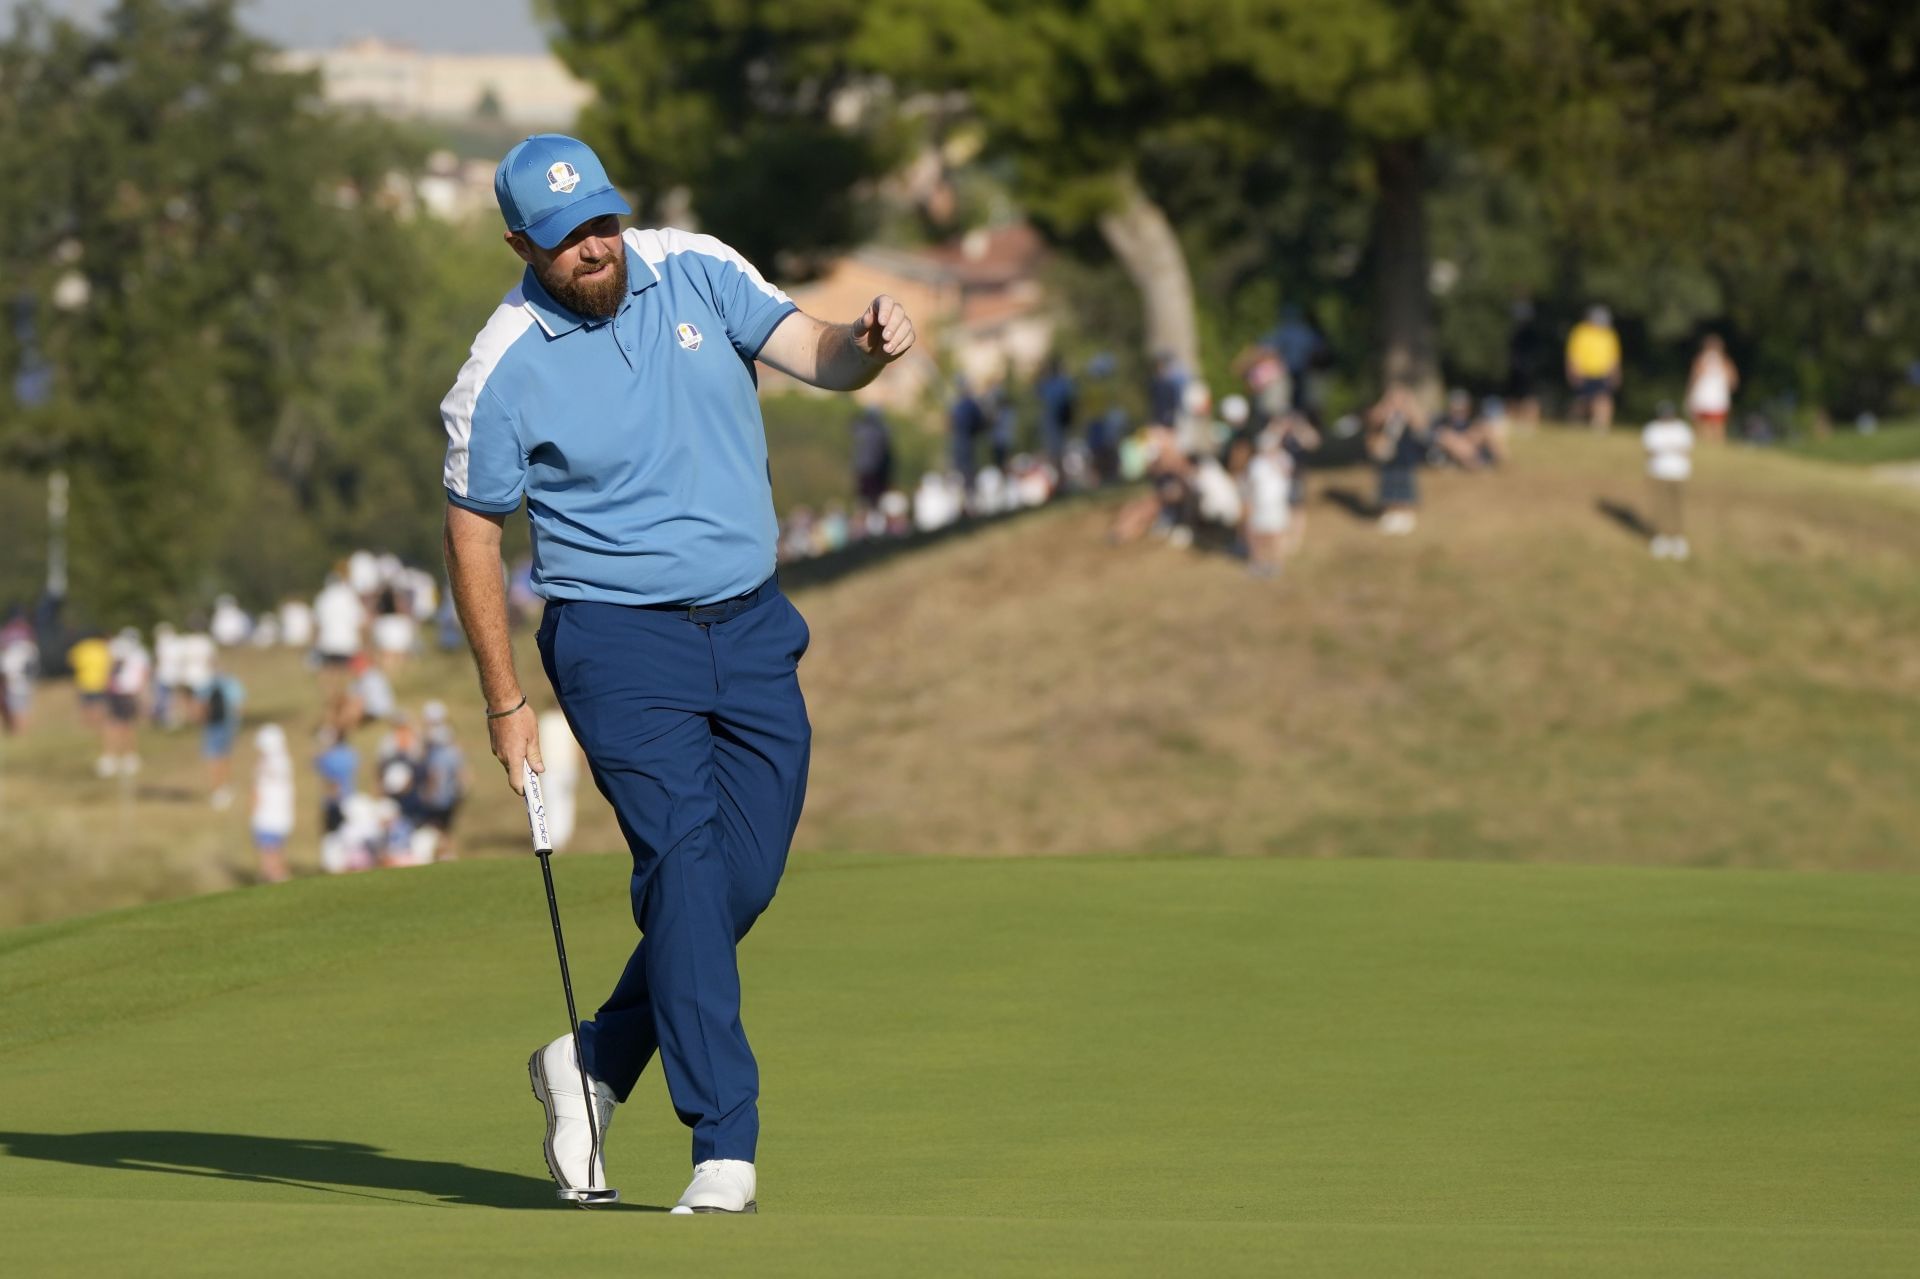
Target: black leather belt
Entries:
(721, 610)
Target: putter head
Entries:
(591, 1196)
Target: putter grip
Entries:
(536, 809)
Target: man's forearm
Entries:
(480, 597)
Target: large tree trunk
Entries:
(1408, 350)
(1142, 239)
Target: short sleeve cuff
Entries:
(484, 508)
(752, 342)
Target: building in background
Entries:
(531, 91)
(978, 305)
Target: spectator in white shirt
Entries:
(127, 685)
(339, 622)
(1668, 441)
(272, 801)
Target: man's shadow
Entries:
(334, 1167)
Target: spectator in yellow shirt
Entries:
(91, 663)
(1593, 366)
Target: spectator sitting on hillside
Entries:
(1462, 438)
(1236, 415)
(937, 502)
(272, 818)
(403, 841)
(1593, 366)
(220, 700)
(1216, 495)
(833, 530)
(1397, 445)
(896, 513)
(1668, 441)
(360, 838)
(1167, 508)
(989, 495)
(796, 537)
(369, 698)
(1269, 389)
(338, 764)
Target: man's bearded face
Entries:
(593, 286)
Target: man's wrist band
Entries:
(510, 710)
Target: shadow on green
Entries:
(333, 1167)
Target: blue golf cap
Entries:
(549, 184)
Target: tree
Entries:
(753, 107)
(209, 228)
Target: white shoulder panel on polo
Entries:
(656, 244)
(509, 321)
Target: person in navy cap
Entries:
(613, 393)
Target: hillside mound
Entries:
(1518, 680)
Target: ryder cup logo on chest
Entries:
(689, 336)
(562, 177)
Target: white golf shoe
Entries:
(719, 1185)
(555, 1073)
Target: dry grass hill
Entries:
(1518, 681)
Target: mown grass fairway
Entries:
(1081, 1066)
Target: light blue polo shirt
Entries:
(636, 442)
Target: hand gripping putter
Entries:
(585, 1196)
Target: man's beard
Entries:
(598, 298)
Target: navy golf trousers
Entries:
(696, 732)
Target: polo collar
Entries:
(556, 320)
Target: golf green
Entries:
(1046, 1066)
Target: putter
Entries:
(585, 1196)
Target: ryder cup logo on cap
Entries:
(549, 184)
(689, 336)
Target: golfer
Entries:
(613, 391)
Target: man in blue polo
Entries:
(613, 393)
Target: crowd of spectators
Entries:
(356, 635)
(1236, 473)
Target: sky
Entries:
(434, 26)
